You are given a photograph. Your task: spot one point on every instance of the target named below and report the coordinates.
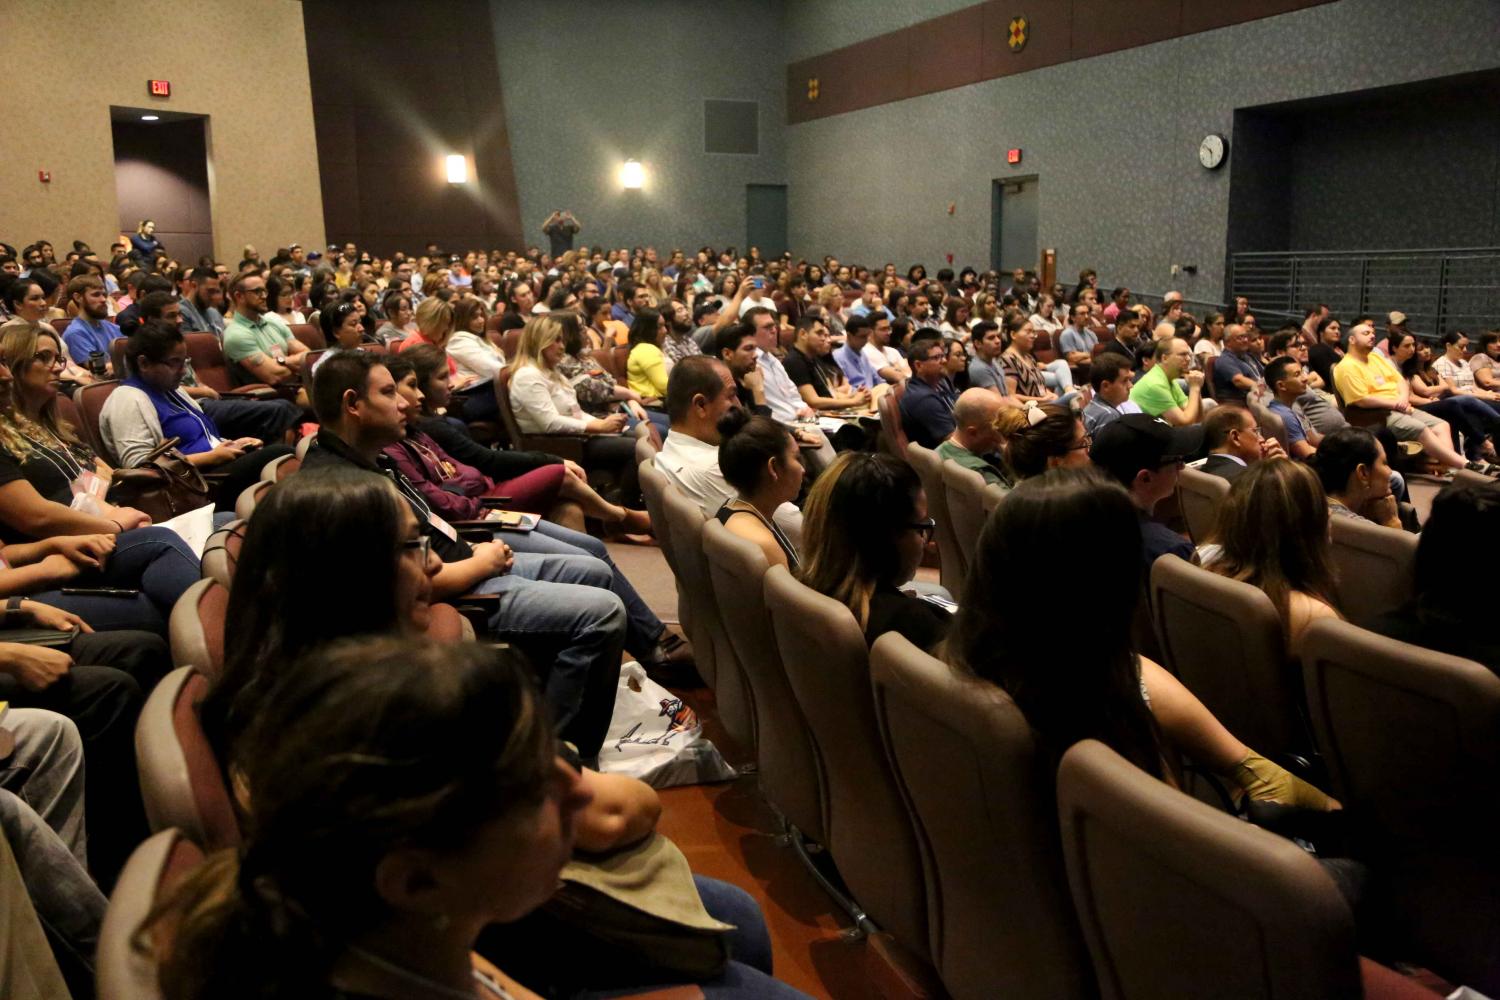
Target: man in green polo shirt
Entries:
(975, 443)
(1158, 394)
(258, 344)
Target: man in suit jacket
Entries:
(1233, 439)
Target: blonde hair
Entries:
(435, 320)
(828, 295)
(17, 431)
(540, 332)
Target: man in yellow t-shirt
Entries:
(1367, 379)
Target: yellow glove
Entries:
(1264, 781)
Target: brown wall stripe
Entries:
(972, 45)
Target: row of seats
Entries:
(927, 792)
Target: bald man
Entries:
(974, 443)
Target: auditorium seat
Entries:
(1376, 566)
(952, 560)
(646, 449)
(1208, 391)
(62, 323)
(222, 551)
(963, 494)
(181, 781)
(206, 352)
(244, 504)
(870, 833)
(892, 434)
(310, 335)
(196, 628)
(791, 776)
(568, 446)
(710, 641)
(1178, 899)
(117, 355)
(154, 869)
(89, 401)
(1199, 495)
(1225, 642)
(1411, 741)
(278, 469)
(981, 797)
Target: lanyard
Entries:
(68, 465)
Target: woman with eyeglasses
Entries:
(865, 527)
(53, 513)
(1038, 438)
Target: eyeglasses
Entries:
(50, 359)
(422, 547)
(926, 527)
(254, 291)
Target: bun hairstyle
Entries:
(1033, 434)
(746, 444)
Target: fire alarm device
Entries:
(45, 176)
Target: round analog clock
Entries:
(1211, 150)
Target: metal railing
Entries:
(1438, 290)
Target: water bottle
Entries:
(96, 364)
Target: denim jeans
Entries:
(267, 420)
(42, 819)
(559, 609)
(155, 561)
(1058, 376)
(659, 420)
(642, 628)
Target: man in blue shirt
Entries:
(1236, 372)
(201, 295)
(850, 357)
(91, 331)
(927, 404)
(870, 302)
(1077, 341)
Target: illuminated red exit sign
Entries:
(160, 88)
(1012, 156)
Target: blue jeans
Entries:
(748, 974)
(642, 629)
(559, 609)
(659, 420)
(42, 818)
(155, 561)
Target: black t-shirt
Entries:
(805, 371)
(921, 622)
(50, 471)
(1321, 358)
(1124, 350)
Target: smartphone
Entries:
(99, 592)
(757, 282)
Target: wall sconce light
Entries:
(458, 169)
(632, 175)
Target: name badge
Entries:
(443, 527)
(90, 484)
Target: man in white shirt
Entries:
(884, 358)
(782, 394)
(758, 297)
(700, 391)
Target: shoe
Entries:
(671, 663)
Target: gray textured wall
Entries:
(1113, 139)
(589, 84)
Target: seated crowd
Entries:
(466, 429)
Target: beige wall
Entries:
(242, 62)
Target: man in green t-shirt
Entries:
(258, 344)
(975, 443)
(1158, 394)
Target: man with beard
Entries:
(91, 331)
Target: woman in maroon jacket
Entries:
(537, 483)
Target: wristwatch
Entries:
(14, 615)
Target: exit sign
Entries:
(1012, 156)
(160, 88)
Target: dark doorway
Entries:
(161, 174)
(765, 219)
(1013, 223)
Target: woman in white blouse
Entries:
(477, 358)
(544, 403)
(1043, 320)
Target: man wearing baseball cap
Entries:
(1144, 454)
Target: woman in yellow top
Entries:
(646, 367)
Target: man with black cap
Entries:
(1145, 454)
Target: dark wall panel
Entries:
(389, 105)
(972, 44)
(161, 173)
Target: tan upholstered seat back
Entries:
(1375, 564)
(869, 829)
(1199, 494)
(1002, 921)
(1178, 899)
(791, 774)
(160, 863)
(954, 562)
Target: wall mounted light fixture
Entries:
(632, 175)
(458, 169)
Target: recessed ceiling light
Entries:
(150, 118)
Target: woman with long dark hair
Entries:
(1099, 687)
